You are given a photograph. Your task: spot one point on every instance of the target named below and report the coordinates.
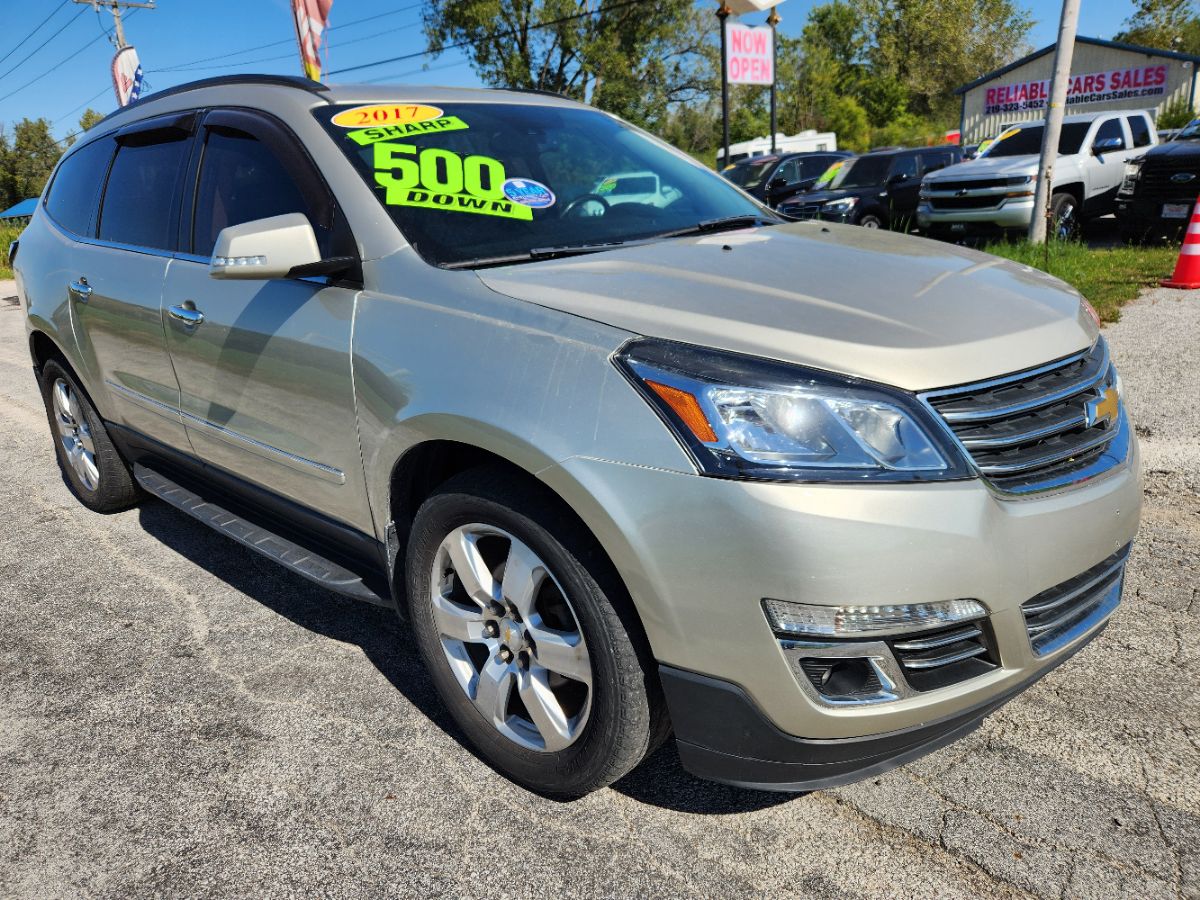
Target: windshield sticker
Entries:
(385, 114)
(441, 179)
(828, 175)
(367, 136)
(529, 193)
(1007, 134)
(607, 186)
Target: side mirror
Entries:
(266, 248)
(898, 178)
(1108, 145)
(777, 184)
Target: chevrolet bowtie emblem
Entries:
(1104, 408)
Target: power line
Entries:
(86, 102)
(26, 57)
(18, 44)
(291, 40)
(513, 32)
(62, 62)
(458, 63)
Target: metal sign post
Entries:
(773, 20)
(722, 15)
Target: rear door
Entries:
(117, 281)
(265, 377)
(903, 192)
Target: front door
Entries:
(264, 365)
(116, 286)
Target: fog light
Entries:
(856, 621)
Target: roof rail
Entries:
(294, 81)
(542, 91)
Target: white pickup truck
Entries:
(994, 193)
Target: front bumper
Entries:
(1143, 218)
(1011, 214)
(699, 555)
(722, 736)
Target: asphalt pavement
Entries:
(179, 717)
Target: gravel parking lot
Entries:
(179, 717)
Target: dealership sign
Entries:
(1098, 87)
(749, 54)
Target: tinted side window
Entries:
(789, 171)
(936, 159)
(1140, 129)
(1109, 128)
(71, 201)
(904, 165)
(139, 199)
(240, 181)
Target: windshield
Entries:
(480, 181)
(1026, 141)
(1191, 132)
(865, 171)
(749, 175)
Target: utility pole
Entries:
(115, 6)
(1043, 189)
(722, 15)
(773, 20)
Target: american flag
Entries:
(312, 18)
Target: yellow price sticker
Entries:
(367, 136)
(385, 114)
(434, 178)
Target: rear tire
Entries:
(497, 660)
(90, 463)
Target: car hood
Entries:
(810, 197)
(986, 168)
(1176, 148)
(890, 308)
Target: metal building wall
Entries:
(1090, 59)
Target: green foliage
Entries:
(89, 118)
(634, 61)
(1176, 114)
(8, 234)
(1164, 24)
(844, 116)
(1108, 277)
(26, 160)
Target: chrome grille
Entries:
(1154, 182)
(1056, 617)
(985, 201)
(1032, 430)
(934, 659)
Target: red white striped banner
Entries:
(312, 18)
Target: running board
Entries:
(279, 549)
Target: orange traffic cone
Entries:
(1187, 269)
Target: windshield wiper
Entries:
(537, 253)
(726, 223)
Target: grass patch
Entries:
(8, 234)
(1108, 276)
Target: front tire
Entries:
(1064, 216)
(90, 463)
(870, 220)
(527, 638)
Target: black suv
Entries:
(876, 190)
(1160, 188)
(777, 178)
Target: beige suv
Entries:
(812, 499)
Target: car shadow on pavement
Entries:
(659, 781)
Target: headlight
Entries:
(924, 191)
(1021, 179)
(845, 204)
(742, 417)
(1133, 171)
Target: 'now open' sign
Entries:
(749, 54)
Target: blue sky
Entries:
(183, 40)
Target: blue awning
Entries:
(21, 210)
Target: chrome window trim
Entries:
(107, 245)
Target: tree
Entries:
(1164, 24)
(635, 60)
(931, 47)
(89, 118)
(28, 160)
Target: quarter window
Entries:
(140, 195)
(241, 180)
(71, 201)
(1139, 128)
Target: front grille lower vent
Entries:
(985, 201)
(1039, 428)
(934, 659)
(1056, 617)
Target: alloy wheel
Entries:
(1065, 225)
(75, 434)
(511, 637)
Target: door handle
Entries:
(81, 290)
(187, 314)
